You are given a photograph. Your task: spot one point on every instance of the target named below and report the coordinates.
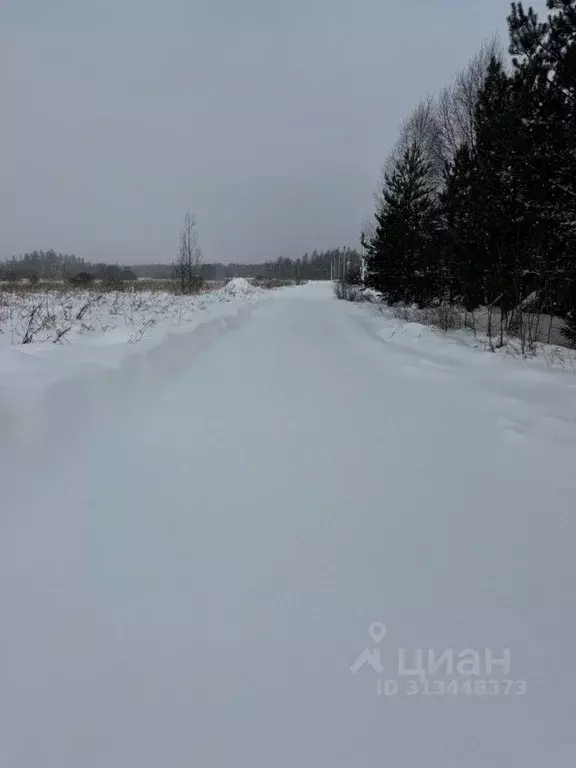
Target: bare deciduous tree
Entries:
(187, 266)
(438, 127)
(456, 106)
(420, 130)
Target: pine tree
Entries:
(483, 202)
(500, 190)
(463, 262)
(545, 84)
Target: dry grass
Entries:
(446, 317)
(346, 291)
(528, 339)
(269, 283)
(30, 316)
(145, 285)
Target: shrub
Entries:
(82, 278)
(569, 331)
(347, 291)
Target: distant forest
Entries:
(49, 265)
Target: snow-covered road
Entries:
(189, 586)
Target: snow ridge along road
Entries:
(190, 585)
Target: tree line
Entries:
(317, 265)
(188, 269)
(478, 202)
(49, 265)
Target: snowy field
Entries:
(66, 356)
(275, 511)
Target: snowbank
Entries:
(124, 350)
(238, 286)
(458, 344)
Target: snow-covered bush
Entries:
(62, 316)
(347, 291)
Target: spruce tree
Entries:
(397, 261)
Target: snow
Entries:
(124, 345)
(189, 582)
(239, 286)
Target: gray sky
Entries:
(269, 119)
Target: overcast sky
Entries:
(268, 118)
